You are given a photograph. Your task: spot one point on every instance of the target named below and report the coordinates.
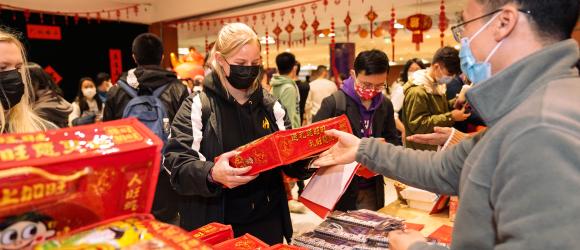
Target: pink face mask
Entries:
(366, 94)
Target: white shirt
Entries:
(397, 97)
(319, 89)
(76, 113)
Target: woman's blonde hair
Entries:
(21, 118)
(231, 38)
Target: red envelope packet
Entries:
(288, 146)
(414, 226)
(245, 242)
(62, 180)
(365, 172)
(443, 234)
(213, 233)
(285, 247)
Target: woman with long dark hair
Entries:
(86, 108)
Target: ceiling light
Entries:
(399, 26)
(457, 47)
(270, 40)
(183, 51)
(331, 35)
(321, 35)
(428, 36)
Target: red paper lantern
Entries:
(418, 24)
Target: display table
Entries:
(431, 222)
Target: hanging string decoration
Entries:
(303, 27)
(393, 31)
(277, 32)
(443, 22)
(371, 16)
(347, 21)
(315, 25)
(289, 28)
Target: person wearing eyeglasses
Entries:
(370, 114)
(518, 181)
(425, 105)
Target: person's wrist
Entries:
(210, 176)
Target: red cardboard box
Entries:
(245, 242)
(213, 233)
(288, 146)
(63, 180)
(136, 231)
(443, 234)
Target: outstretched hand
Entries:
(343, 152)
(439, 137)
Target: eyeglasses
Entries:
(368, 85)
(458, 29)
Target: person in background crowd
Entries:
(239, 111)
(86, 108)
(303, 90)
(395, 91)
(531, 110)
(320, 88)
(147, 77)
(48, 104)
(370, 115)
(16, 91)
(285, 89)
(103, 85)
(425, 105)
(265, 79)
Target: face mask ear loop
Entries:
(493, 51)
(482, 28)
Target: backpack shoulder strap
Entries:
(340, 101)
(157, 92)
(125, 86)
(205, 107)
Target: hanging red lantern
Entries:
(303, 27)
(273, 14)
(263, 17)
(206, 45)
(254, 18)
(418, 24)
(98, 17)
(314, 6)
(136, 9)
(292, 11)
(289, 28)
(127, 12)
(238, 19)
(371, 16)
(41, 16)
(315, 25)
(207, 25)
(277, 32)
(76, 18)
(363, 33)
(443, 22)
(393, 31)
(282, 13)
(302, 9)
(88, 17)
(337, 2)
(118, 12)
(325, 3)
(347, 21)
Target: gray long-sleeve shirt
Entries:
(519, 183)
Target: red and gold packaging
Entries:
(245, 242)
(288, 146)
(213, 233)
(61, 180)
(285, 247)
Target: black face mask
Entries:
(242, 77)
(11, 88)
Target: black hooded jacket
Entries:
(150, 78)
(195, 143)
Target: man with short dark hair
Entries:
(285, 89)
(146, 78)
(425, 106)
(320, 88)
(103, 84)
(370, 114)
(518, 181)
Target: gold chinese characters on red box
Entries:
(56, 182)
(287, 146)
(213, 233)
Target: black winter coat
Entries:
(194, 143)
(151, 78)
(383, 125)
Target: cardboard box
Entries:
(288, 146)
(65, 181)
(213, 233)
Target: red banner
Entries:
(55, 76)
(43, 32)
(116, 64)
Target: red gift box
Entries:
(364, 172)
(140, 231)
(245, 242)
(414, 226)
(213, 233)
(62, 180)
(287, 146)
(285, 247)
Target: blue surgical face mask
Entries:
(445, 80)
(476, 71)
